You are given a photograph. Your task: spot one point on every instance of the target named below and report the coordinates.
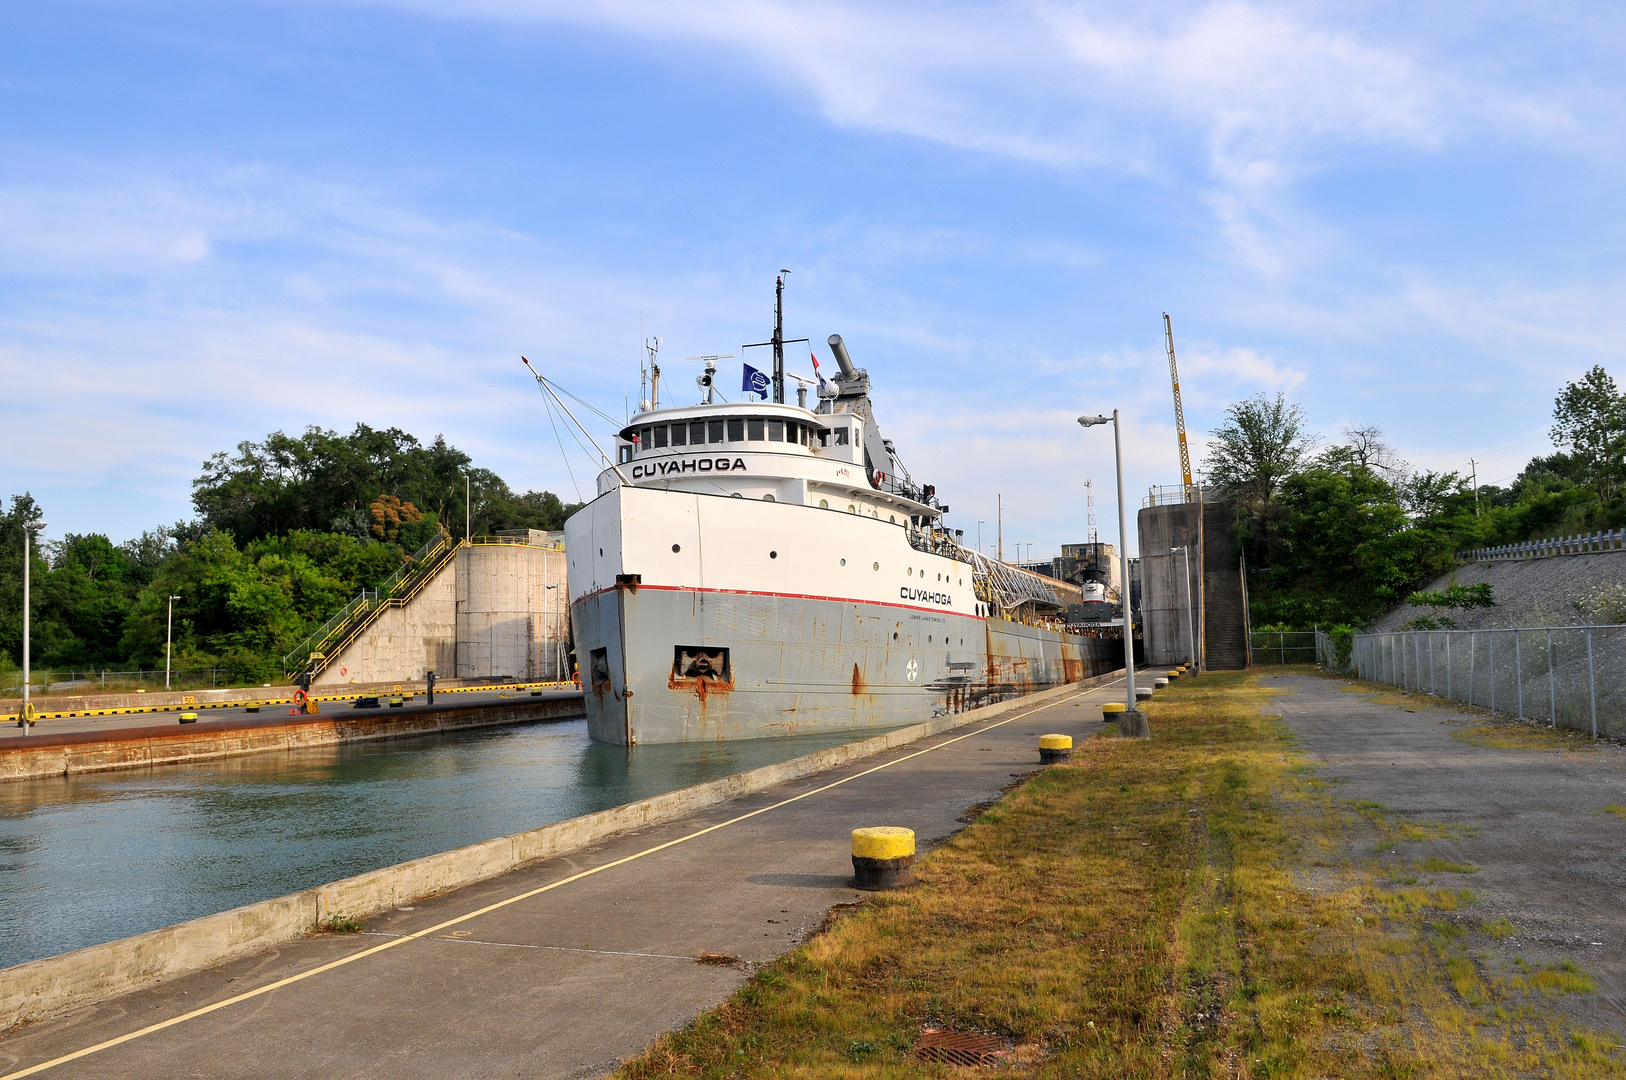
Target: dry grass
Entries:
(1513, 735)
(1147, 911)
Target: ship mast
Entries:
(779, 337)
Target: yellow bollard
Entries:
(883, 858)
(1055, 748)
(189, 718)
(1112, 710)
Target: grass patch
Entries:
(1148, 911)
(1511, 735)
(1441, 866)
(1497, 929)
(341, 923)
(1615, 809)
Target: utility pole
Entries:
(1474, 466)
(999, 525)
(1133, 725)
(169, 627)
(1089, 510)
(468, 509)
(26, 717)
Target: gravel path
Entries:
(1533, 821)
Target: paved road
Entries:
(269, 714)
(1534, 823)
(567, 981)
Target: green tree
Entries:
(1589, 417)
(1261, 443)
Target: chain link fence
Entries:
(1285, 647)
(42, 681)
(1567, 676)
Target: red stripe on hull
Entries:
(788, 596)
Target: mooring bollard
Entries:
(1055, 748)
(883, 858)
(1159, 683)
(189, 718)
(1112, 710)
(1172, 675)
(1143, 693)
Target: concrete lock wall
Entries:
(495, 611)
(1165, 583)
(511, 612)
(1214, 580)
(403, 642)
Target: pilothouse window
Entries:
(697, 432)
(680, 434)
(736, 431)
(660, 436)
(776, 431)
(753, 429)
(714, 430)
(841, 436)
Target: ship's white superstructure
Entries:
(761, 568)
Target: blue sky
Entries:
(218, 220)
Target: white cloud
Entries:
(1255, 96)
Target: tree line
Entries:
(286, 531)
(1340, 533)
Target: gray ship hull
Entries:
(665, 664)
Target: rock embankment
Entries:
(1534, 592)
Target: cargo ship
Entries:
(759, 568)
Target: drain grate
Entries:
(966, 1048)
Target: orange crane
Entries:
(1179, 410)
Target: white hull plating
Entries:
(700, 616)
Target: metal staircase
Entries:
(348, 623)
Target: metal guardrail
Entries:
(1577, 544)
(1567, 676)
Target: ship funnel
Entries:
(839, 349)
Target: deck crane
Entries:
(1179, 410)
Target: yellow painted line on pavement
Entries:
(246, 995)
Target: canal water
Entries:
(91, 858)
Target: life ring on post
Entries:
(299, 697)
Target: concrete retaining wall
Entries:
(36, 756)
(511, 603)
(403, 642)
(41, 987)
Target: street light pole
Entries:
(1191, 624)
(1133, 724)
(26, 717)
(169, 625)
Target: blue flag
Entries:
(754, 382)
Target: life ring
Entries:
(344, 671)
(299, 697)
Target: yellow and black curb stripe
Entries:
(11, 718)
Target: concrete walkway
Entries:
(1533, 821)
(564, 968)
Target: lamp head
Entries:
(1091, 421)
(34, 526)
(175, 598)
